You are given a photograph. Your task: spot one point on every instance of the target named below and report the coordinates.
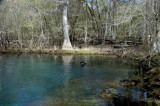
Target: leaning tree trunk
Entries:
(66, 44)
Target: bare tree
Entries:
(66, 44)
(86, 24)
(106, 23)
(156, 11)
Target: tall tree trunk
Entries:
(131, 22)
(113, 13)
(158, 24)
(99, 17)
(106, 27)
(66, 44)
(156, 11)
(144, 35)
(158, 36)
(86, 24)
(145, 32)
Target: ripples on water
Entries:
(52, 80)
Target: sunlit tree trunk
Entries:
(158, 24)
(156, 11)
(86, 28)
(158, 37)
(66, 44)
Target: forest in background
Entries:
(39, 24)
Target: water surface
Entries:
(52, 80)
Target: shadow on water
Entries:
(51, 80)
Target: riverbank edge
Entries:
(109, 50)
(59, 51)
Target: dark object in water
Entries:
(82, 64)
(71, 62)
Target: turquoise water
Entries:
(52, 80)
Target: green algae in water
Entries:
(52, 80)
